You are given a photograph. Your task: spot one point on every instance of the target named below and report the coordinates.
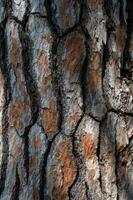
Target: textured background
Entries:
(66, 100)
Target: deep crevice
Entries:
(116, 165)
(32, 91)
(7, 97)
(75, 156)
(53, 27)
(42, 186)
(120, 112)
(83, 78)
(43, 173)
(127, 65)
(98, 153)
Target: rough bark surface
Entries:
(66, 100)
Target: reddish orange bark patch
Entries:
(67, 173)
(32, 163)
(44, 78)
(74, 53)
(36, 142)
(94, 82)
(43, 60)
(17, 109)
(64, 5)
(88, 147)
(15, 52)
(120, 38)
(94, 73)
(50, 120)
(94, 4)
(48, 37)
(73, 119)
(46, 86)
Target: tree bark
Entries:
(66, 100)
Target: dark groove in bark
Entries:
(120, 112)
(88, 195)
(15, 192)
(116, 166)
(53, 27)
(55, 80)
(30, 83)
(105, 58)
(74, 182)
(75, 156)
(105, 49)
(26, 151)
(83, 81)
(7, 96)
(126, 147)
(98, 152)
(126, 56)
(32, 91)
(38, 14)
(26, 14)
(121, 12)
(43, 173)
(8, 8)
(97, 120)
(56, 85)
(83, 18)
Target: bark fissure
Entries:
(43, 173)
(7, 97)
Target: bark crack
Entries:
(7, 98)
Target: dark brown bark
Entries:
(66, 100)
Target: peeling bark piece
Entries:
(108, 157)
(61, 169)
(86, 144)
(41, 41)
(37, 6)
(19, 111)
(125, 173)
(37, 149)
(65, 13)
(70, 58)
(19, 8)
(2, 10)
(15, 161)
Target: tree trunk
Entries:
(66, 100)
